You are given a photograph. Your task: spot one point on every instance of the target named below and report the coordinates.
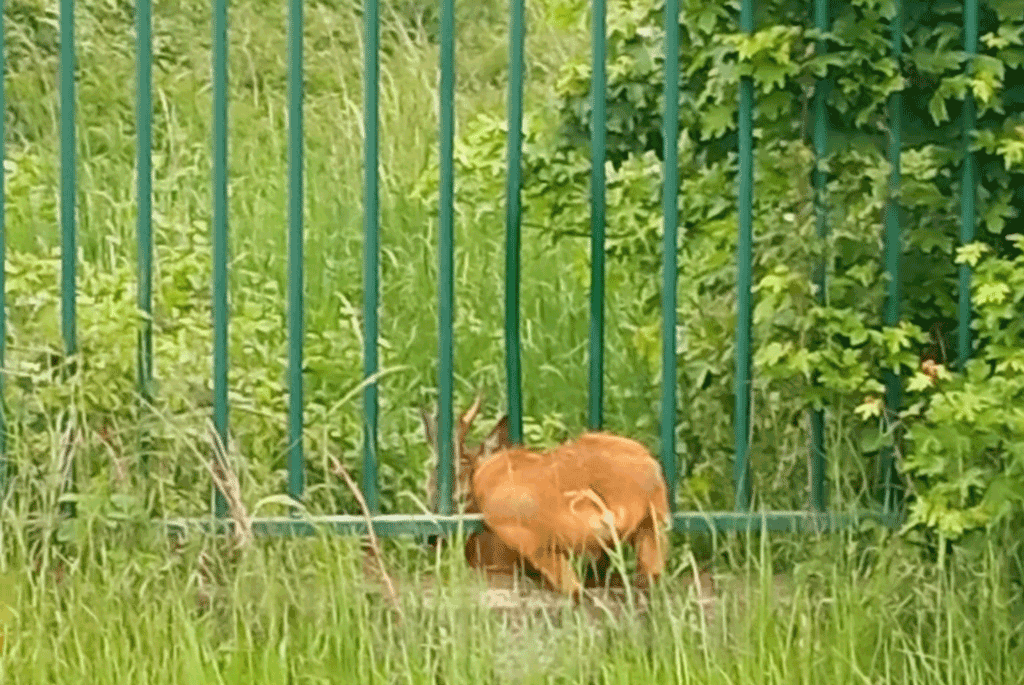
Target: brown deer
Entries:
(538, 507)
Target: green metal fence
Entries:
(815, 518)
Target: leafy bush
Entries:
(840, 341)
(965, 444)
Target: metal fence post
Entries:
(446, 248)
(817, 461)
(371, 249)
(513, 219)
(891, 315)
(597, 216)
(744, 259)
(68, 192)
(670, 212)
(296, 459)
(220, 239)
(968, 187)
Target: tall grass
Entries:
(300, 611)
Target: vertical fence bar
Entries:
(513, 218)
(4, 473)
(892, 246)
(68, 243)
(968, 187)
(670, 212)
(296, 461)
(144, 220)
(220, 234)
(597, 207)
(741, 419)
(371, 248)
(446, 245)
(817, 462)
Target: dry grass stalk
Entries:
(66, 456)
(373, 543)
(226, 481)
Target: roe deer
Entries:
(579, 497)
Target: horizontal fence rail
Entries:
(420, 524)
(445, 521)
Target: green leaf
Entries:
(987, 293)
(870, 409)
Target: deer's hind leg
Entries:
(651, 546)
(599, 573)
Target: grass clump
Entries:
(303, 611)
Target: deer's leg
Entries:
(552, 564)
(486, 551)
(557, 570)
(599, 573)
(650, 544)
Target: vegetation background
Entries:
(938, 604)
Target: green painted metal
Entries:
(371, 249)
(968, 188)
(891, 315)
(670, 210)
(817, 456)
(513, 218)
(598, 121)
(744, 262)
(144, 219)
(419, 525)
(4, 469)
(69, 248)
(68, 238)
(445, 523)
(296, 460)
(446, 248)
(220, 235)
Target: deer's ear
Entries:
(466, 420)
(498, 437)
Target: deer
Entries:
(538, 507)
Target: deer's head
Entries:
(464, 458)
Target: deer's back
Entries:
(532, 486)
(621, 471)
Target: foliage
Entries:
(965, 447)
(808, 353)
(97, 388)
